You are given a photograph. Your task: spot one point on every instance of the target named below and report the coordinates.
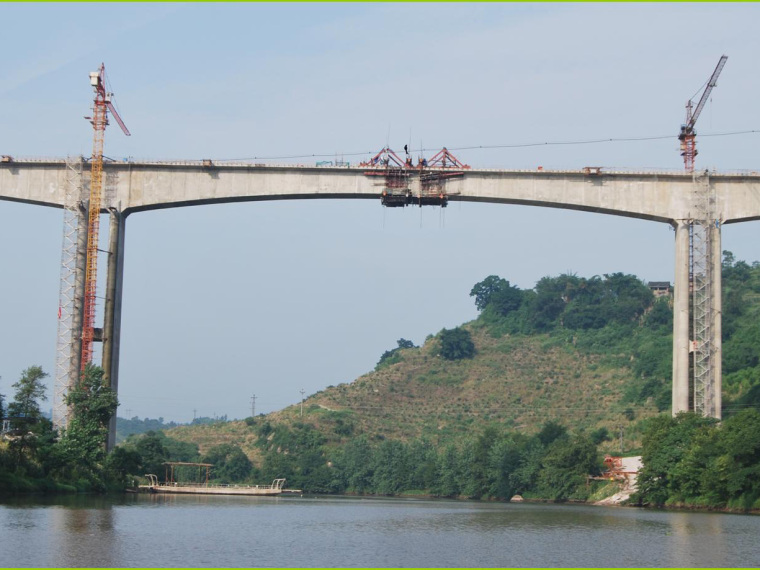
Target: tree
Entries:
(456, 344)
(83, 443)
(484, 290)
(392, 356)
(356, 465)
(667, 452)
(503, 460)
(29, 391)
(550, 432)
(231, 465)
(447, 473)
(121, 463)
(391, 468)
(564, 468)
(152, 453)
(507, 299)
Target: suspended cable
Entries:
(499, 146)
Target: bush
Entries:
(456, 344)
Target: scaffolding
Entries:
(701, 272)
(65, 373)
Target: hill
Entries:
(588, 378)
(574, 362)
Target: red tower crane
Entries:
(101, 106)
(688, 134)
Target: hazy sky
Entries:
(225, 301)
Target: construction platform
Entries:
(173, 488)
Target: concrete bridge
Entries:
(676, 198)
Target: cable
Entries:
(496, 146)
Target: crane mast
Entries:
(101, 106)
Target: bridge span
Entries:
(664, 196)
(676, 198)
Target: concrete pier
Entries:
(112, 318)
(680, 402)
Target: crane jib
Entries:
(710, 84)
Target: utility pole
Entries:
(253, 405)
(129, 411)
(302, 393)
(194, 412)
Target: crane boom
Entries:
(116, 116)
(710, 84)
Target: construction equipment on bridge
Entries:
(433, 182)
(688, 134)
(396, 173)
(102, 104)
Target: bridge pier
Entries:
(682, 315)
(112, 317)
(680, 397)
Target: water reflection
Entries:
(693, 540)
(83, 534)
(326, 531)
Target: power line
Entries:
(498, 146)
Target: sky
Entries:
(228, 301)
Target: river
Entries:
(204, 531)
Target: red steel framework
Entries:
(101, 105)
(396, 172)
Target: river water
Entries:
(206, 531)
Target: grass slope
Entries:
(513, 382)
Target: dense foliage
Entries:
(741, 335)
(691, 460)
(134, 425)
(552, 464)
(33, 457)
(456, 344)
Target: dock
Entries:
(276, 488)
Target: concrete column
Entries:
(112, 317)
(681, 320)
(717, 320)
(75, 365)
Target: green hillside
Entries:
(541, 377)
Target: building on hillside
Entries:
(660, 288)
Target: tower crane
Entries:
(688, 135)
(101, 106)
